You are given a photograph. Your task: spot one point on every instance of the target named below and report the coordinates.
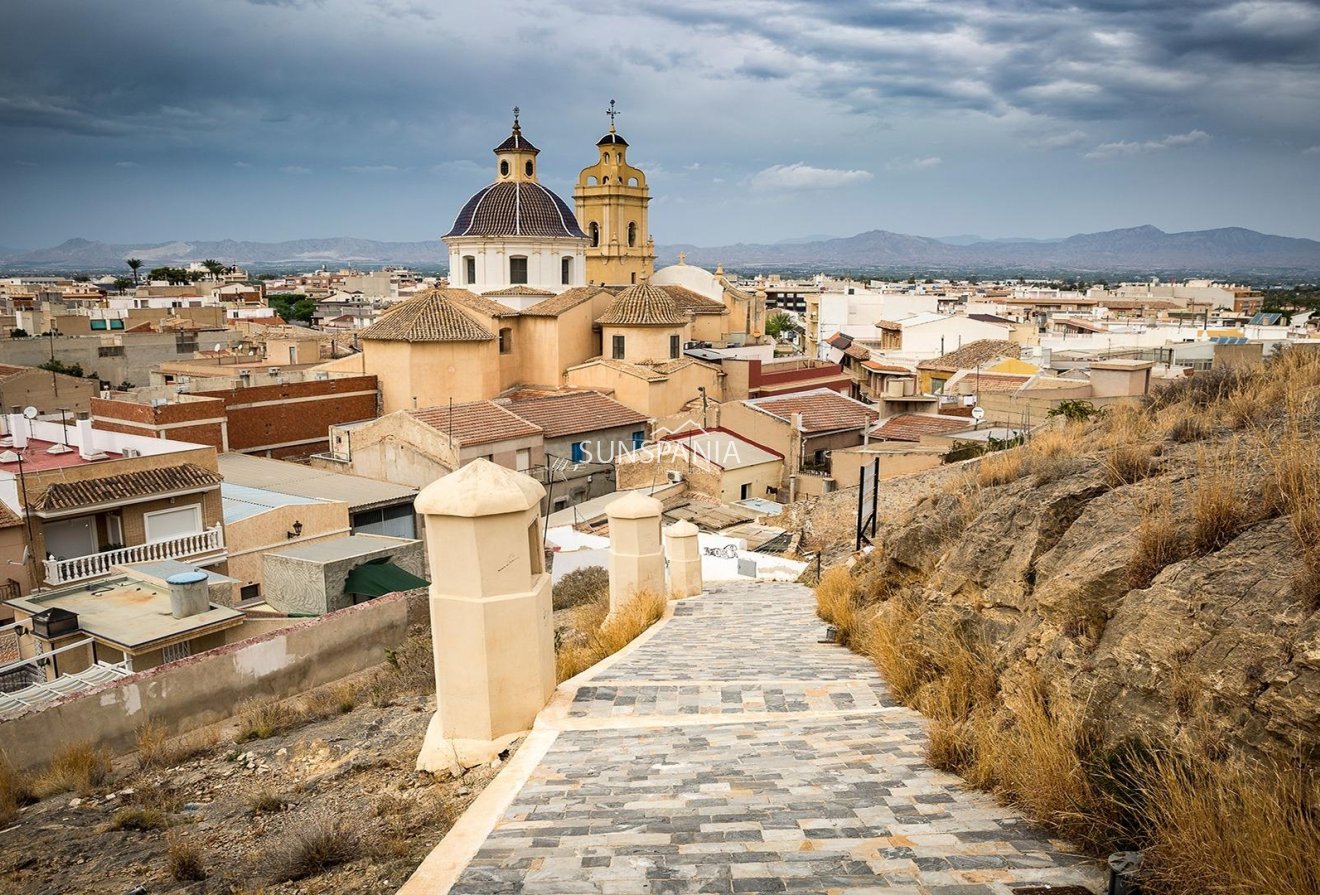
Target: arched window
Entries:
(566, 270)
(506, 340)
(595, 234)
(604, 180)
(632, 233)
(504, 169)
(517, 269)
(632, 181)
(469, 270)
(528, 167)
(592, 181)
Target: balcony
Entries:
(94, 565)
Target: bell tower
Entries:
(612, 199)
(515, 158)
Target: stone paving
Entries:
(752, 758)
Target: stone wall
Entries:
(208, 687)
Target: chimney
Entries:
(189, 593)
(18, 431)
(86, 443)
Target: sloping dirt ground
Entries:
(333, 801)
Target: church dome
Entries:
(612, 139)
(643, 305)
(519, 208)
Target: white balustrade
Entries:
(79, 568)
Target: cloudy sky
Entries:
(756, 120)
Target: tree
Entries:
(133, 265)
(292, 306)
(175, 276)
(122, 284)
(780, 326)
(214, 267)
(18, 333)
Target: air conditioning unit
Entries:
(674, 476)
(129, 453)
(274, 371)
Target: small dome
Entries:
(481, 488)
(643, 305)
(519, 208)
(612, 139)
(516, 142)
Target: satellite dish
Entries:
(218, 346)
(978, 413)
(30, 412)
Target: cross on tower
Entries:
(613, 113)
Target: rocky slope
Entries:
(1222, 646)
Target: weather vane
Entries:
(613, 113)
(515, 116)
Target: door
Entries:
(67, 538)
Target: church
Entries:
(543, 296)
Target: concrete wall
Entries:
(247, 540)
(47, 391)
(896, 459)
(207, 687)
(297, 584)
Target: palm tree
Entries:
(214, 267)
(133, 265)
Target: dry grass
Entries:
(836, 600)
(409, 671)
(78, 767)
(1129, 463)
(1219, 506)
(265, 800)
(260, 719)
(14, 792)
(1231, 827)
(184, 860)
(333, 699)
(610, 634)
(157, 749)
(315, 845)
(1159, 542)
(1001, 468)
(140, 819)
(887, 635)
(1295, 463)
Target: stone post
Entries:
(491, 626)
(684, 555)
(637, 562)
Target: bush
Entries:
(14, 792)
(584, 585)
(78, 767)
(836, 600)
(612, 634)
(1129, 463)
(260, 719)
(265, 800)
(185, 861)
(157, 749)
(409, 671)
(316, 845)
(1074, 410)
(140, 819)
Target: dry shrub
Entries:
(1056, 453)
(1219, 506)
(1182, 424)
(409, 669)
(1001, 467)
(1159, 542)
(1122, 425)
(78, 767)
(1202, 390)
(185, 860)
(260, 719)
(333, 699)
(157, 749)
(1295, 464)
(611, 634)
(581, 586)
(265, 800)
(1084, 615)
(960, 686)
(158, 796)
(315, 845)
(1225, 828)
(836, 600)
(140, 819)
(14, 792)
(1129, 463)
(887, 635)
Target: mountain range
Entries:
(1146, 249)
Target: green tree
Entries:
(133, 265)
(780, 326)
(122, 284)
(213, 267)
(292, 306)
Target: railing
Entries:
(79, 568)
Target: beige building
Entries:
(612, 199)
(713, 462)
(48, 392)
(258, 521)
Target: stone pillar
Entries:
(491, 626)
(637, 562)
(684, 555)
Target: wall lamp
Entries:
(297, 531)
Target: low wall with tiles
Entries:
(208, 687)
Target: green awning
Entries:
(380, 577)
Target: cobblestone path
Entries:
(732, 752)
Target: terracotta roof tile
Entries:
(643, 305)
(618, 366)
(694, 302)
(911, 426)
(968, 356)
(111, 488)
(989, 382)
(822, 410)
(430, 316)
(520, 289)
(481, 304)
(8, 518)
(574, 412)
(886, 368)
(476, 422)
(564, 301)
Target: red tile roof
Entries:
(476, 422)
(126, 486)
(822, 410)
(573, 412)
(911, 426)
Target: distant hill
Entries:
(1211, 252)
(1231, 251)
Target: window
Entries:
(745, 491)
(634, 279)
(166, 524)
(249, 592)
(99, 324)
(528, 168)
(504, 169)
(522, 460)
(632, 233)
(506, 340)
(616, 345)
(577, 451)
(469, 270)
(176, 651)
(110, 351)
(518, 269)
(595, 234)
(638, 438)
(673, 346)
(566, 270)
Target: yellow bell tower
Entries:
(612, 200)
